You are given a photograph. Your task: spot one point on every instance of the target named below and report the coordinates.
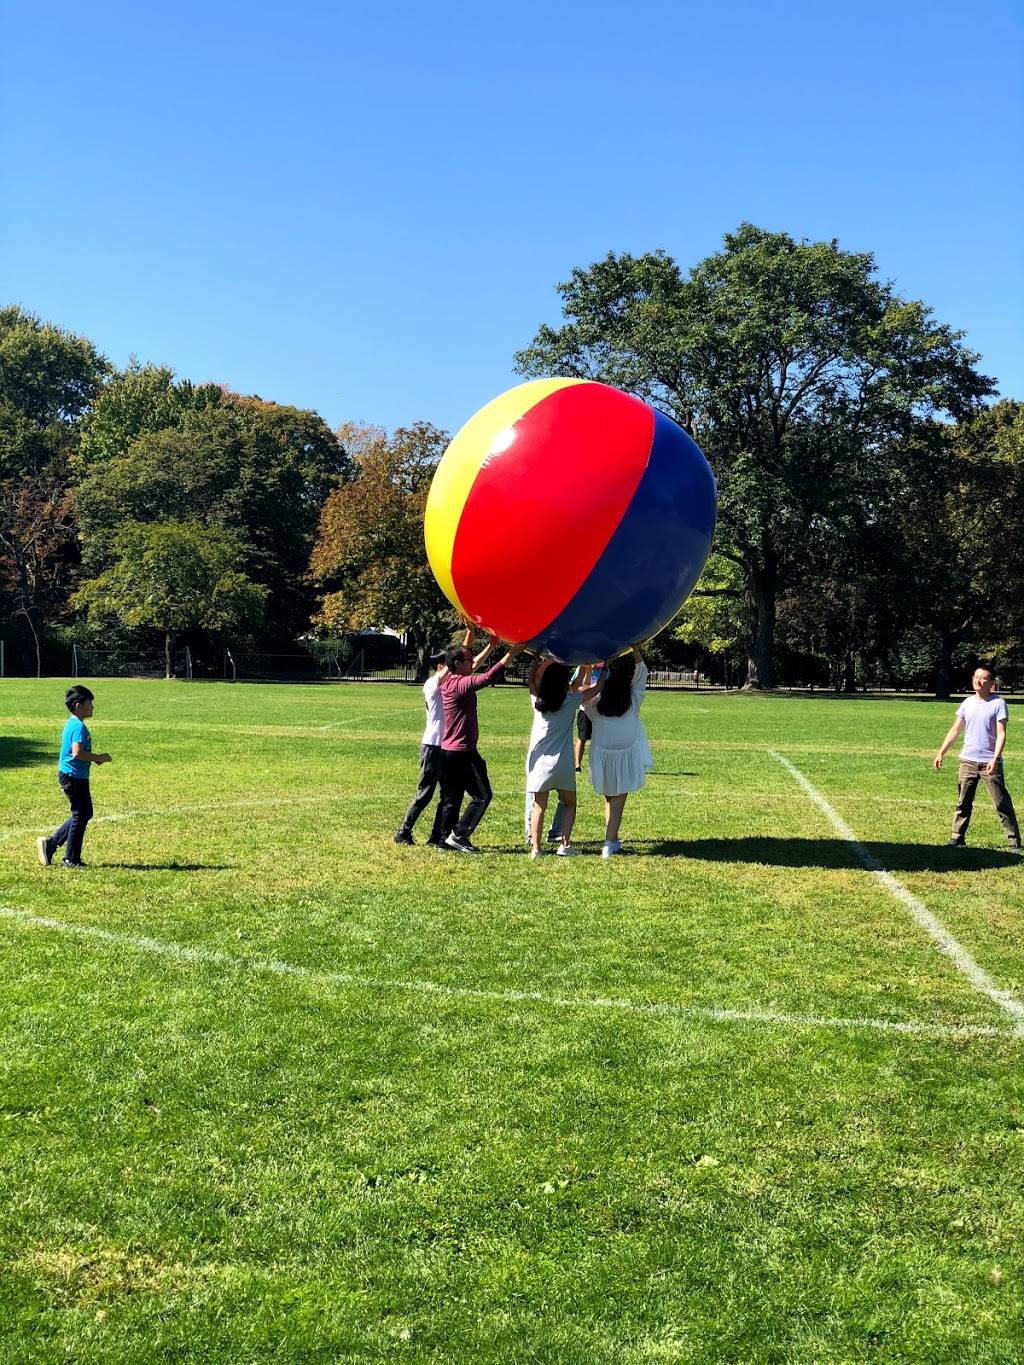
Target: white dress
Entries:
(620, 755)
(550, 765)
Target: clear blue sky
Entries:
(364, 208)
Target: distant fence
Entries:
(310, 661)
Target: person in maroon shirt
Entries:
(463, 770)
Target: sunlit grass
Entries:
(435, 1142)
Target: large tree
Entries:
(369, 559)
(48, 378)
(173, 577)
(256, 469)
(796, 369)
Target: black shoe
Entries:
(45, 850)
(434, 843)
(74, 867)
(957, 843)
(460, 845)
(402, 836)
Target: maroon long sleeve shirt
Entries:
(458, 698)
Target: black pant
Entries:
(72, 831)
(430, 776)
(462, 772)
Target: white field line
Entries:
(930, 923)
(654, 1009)
(157, 811)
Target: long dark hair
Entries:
(553, 687)
(616, 698)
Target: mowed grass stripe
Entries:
(215, 957)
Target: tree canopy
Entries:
(795, 368)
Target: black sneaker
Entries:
(402, 836)
(956, 843)
(460, 845)
(45, 850)
(74, 867)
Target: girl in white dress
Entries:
(620, 755)
(550, 764)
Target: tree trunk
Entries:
(761, 591)
(168, 654)
(944, 666)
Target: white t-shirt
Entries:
(434, 732)
(979, 718)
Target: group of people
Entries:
(602, 701)
(598, 702)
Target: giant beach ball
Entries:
(572, 516)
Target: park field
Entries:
(275, 1089)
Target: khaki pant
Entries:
(970, 775)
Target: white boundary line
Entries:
(652, 1009)
(155, 812)
(931, 924)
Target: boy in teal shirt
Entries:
(76, 755)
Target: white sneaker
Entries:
(610, 847)
(566, 851)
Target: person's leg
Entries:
(613, 816)
(996, 784)
(540, 805)
(478, 789)
(579, 746)
(81, 813)
(567, 804)
(968, 776)
(453, 789)
(557, 821)
(59, 837)
(528, 815)
(425, 790)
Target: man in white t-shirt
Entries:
(983, 719)
(430, 759)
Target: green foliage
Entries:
(139, 399)
(369, 556)
(713, 617)
(174, 576)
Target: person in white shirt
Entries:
(620, 756)
(430, 758)
(983, 720)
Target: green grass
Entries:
(207, 1158)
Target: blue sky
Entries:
(364, 209)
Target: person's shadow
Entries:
(166, 867)
(18, 752)
(828, 853)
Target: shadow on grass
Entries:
(166, 867)
(16, 752)
(827, 853)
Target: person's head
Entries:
(459, 659)
(79, 701)
(553, 687)
(982, 680)
(439, 659)
(616, 698)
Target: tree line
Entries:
(871, 492)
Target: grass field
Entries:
(272, 1088)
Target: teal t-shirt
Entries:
(75, 732)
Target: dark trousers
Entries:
(72, 831)
(430, 776)
(463, 772)
(970, 775)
